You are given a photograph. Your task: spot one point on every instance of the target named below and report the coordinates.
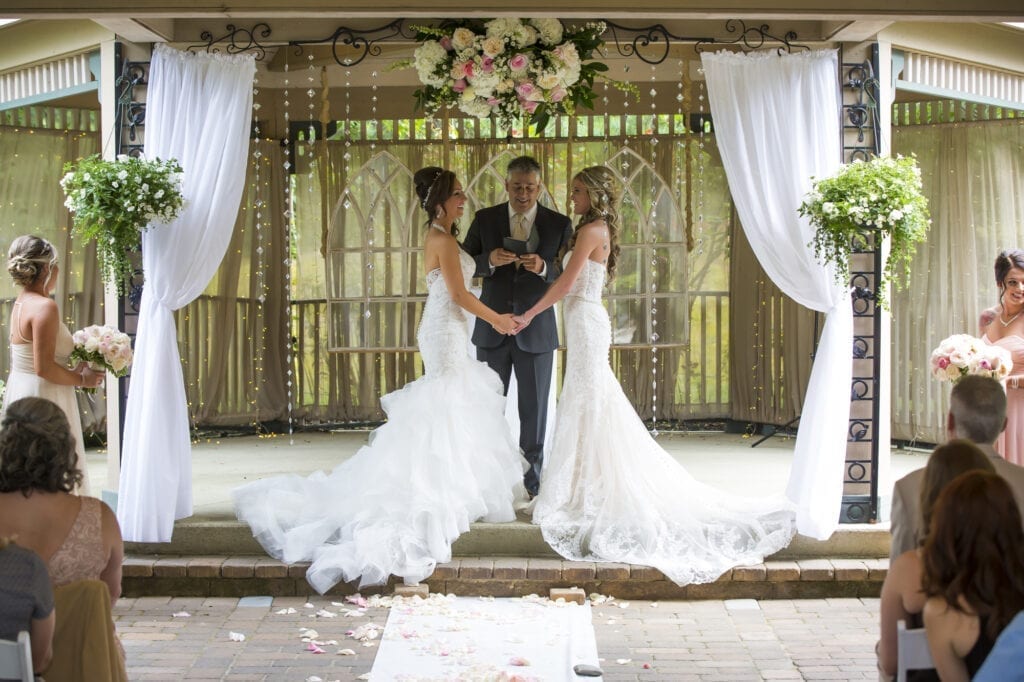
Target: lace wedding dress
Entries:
(444, 459)
(609, 492)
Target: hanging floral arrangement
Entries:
(883, 197)
(113, 202)
(509, 68)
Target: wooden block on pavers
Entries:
(270, 568)
(749, 574)
(418, 590)
(137, 567)
(815, 570)
(612, 571)
(509, 569)
(569, 594)
(544, 569)
(476, 569)
(850, 569)
(298, 570)
(205, 567)
(781, 571)
(239, 567)
(645, 573)
(171, 567)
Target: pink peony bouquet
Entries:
(104, 348)
(962, 354)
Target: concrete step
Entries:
(229, 537)
(503, 576)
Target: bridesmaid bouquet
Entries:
(104, 348)
(962, 354)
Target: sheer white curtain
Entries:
(776, 121)
(973, 176)
(198, 111)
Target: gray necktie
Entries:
(519, 230)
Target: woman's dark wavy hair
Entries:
(975, 549)
(434, 185)
(944, 464)
(37, 450)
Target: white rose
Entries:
(548, 81)
(476, 107)
(550, 30)
(426, 58)
(462, 38)
(492, 46)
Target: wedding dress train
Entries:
(609, 492)
(444, 459)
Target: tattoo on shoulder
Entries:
(987, 317)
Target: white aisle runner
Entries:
(484, 639)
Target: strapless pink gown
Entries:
(1011, 443)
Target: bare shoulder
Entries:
(109, 519)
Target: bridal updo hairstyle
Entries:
(434, 185)
(37, 450)
(28, 257)
(605, 197)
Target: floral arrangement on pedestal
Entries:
(962, 354)
(104, 348)
(881, 196)
(114, 201)
(509, 68)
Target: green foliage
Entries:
(114, 201)
(509, 68)
(881, 197)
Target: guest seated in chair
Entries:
(26, 601)
(902, 597)
(973, 572)
(77, 537)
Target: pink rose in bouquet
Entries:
(104, 348)
(962, 354)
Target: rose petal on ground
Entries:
(324, 613)
(314, 648)
(181, 614)
(356, 599)
(623, 661)
(308, 605)
(286, 612)
(346, 652)
(236, 636)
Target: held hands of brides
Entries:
(90, 377)
(505, 324)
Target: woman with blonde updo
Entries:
(608, 491)
(40, 343)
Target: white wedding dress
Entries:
(609, 492)
(444, 459)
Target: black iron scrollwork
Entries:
(361, 43)
(131, 113)
(860, 388)
(236, 40)
(859, 429)
(650, 44)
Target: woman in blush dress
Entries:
(1003, 326)
(608, 491)
(40, 343)
(444, 459)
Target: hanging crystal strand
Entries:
(700, 171)
(347, 155)
(607, 121)
(288, 198)
(261, 282)
(372, 130)
(653, 232)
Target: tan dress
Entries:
(85, 643)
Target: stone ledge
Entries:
(505, 576)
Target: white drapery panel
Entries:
(776, 121)
(198, 111)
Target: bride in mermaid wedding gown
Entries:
(608, 491)
(444, 459)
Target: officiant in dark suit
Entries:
(516, 246)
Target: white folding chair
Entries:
(912, 652)
(16, 659)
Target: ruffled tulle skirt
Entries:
(444, 459)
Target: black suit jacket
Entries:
(514, 290)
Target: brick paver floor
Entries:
(813, 639)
